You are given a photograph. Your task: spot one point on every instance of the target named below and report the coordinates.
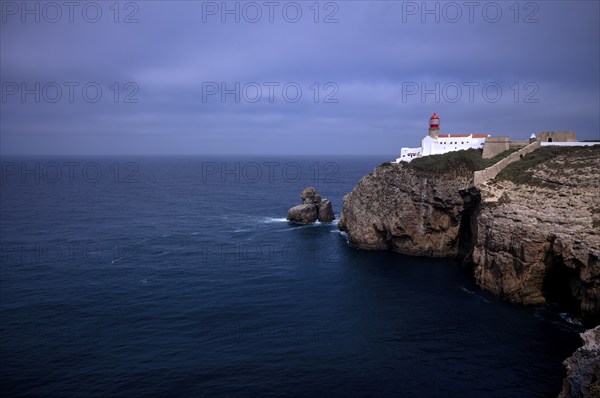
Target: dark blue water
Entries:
(166, 276)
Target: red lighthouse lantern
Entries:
(434, 126)
(434, 121)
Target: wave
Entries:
(464, 289)
(563, 320)
(272, 220)
(570, 319)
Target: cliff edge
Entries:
(532, 234)
(537, 240)
(402, 209)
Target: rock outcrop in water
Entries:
(313, 208)
(583, 368)
(303, 214)
(540, 242)
(325, 211)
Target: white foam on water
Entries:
(272, 220)
(569, 319)
(564, 320)
(464, 289)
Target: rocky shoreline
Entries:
(583, 368)
(531, 235)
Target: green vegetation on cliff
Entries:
(469, 159)
(521, 172)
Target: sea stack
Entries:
(313, 208)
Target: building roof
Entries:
(463, 135)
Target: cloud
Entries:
(366, 61)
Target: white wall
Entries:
(570, 143)
(444, 145)
(432, 146)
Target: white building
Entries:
(436, 143)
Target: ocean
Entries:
(173, 276)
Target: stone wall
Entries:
(558, 136)
(494, 145)
(481, 176)
(518, 144)
(578, 143)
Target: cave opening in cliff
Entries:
(558, 285)
(468, 226)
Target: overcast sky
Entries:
(346, 77)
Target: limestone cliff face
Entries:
(532, 236)
(583, 368)
(532, 240)
(397, 208)
(540, 242)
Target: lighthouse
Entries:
(436, 144)
(434, 126)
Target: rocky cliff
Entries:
(583, 368)
(538, 232)
(532, 235)
(408, 211)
